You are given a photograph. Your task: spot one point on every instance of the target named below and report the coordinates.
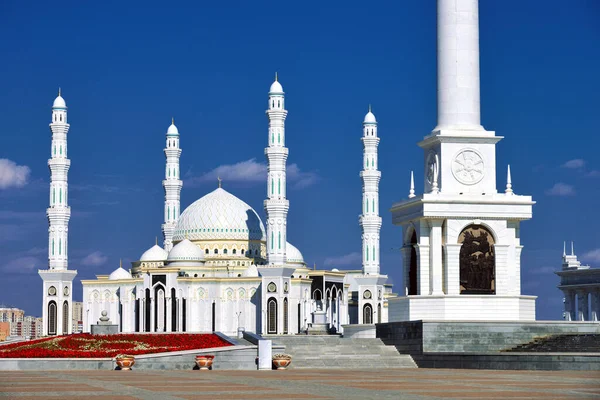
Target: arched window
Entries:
(279, 186)
(273, 137)
(59, 246)
(367, 314)
(272, 316)
(216, 251)
(412, 270)
(279, 241)
(224, 251)
(243, 251)
(52, 318)
(65, 327)
(234, 251)
(477, 261)
(278, 137)
(278, 103)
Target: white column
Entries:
(458, 64)
(582, 305)
(423, 269)
(595, 316)
(406, 250)
(452, 272)
(172, 186)
(152, 305)
(276, 204)
(169, 315)
(517, 270)
(502, 269)
(435, 254)
(370, 221)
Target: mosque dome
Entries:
(370, 118)
(172, 129)
(219, 215)
(154, 253)
(59, 102)
(251, 271)
(119, 274)
(293, 255)
(276, 87)
(185, 251)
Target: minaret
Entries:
(276, 204)
(59, 211)
(370, 221)
(57, 279)
(172, 185)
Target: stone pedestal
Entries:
(319, 325)
(104, 326)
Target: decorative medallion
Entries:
(468, 167)
(272, 288)
(66, 291)
(432, 168)
(285, 287)
(52, 291)
(367, 294)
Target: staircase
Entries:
(343, 353)
(569, 343)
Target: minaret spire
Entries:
(572, 249)
(58, 280)
(411, 192)
(276, 204)
(564, 249)
(508, 190)
(370, 221)
(172, 185)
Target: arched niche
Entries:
(477, 261)
(412, 269)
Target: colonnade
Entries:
(582, 304)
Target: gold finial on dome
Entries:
(156, 240)
(172, 121)
(275, 76)
(369, 107)
(220, 180)
(120, 263)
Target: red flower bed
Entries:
(85, 345)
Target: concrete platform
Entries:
(300, 384)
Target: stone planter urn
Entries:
(282, 361)
(125, 362)
(204, 362)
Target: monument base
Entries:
(104, 329)
(468, 307)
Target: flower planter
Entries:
(282, 361)
(125, 362)
(204, 362)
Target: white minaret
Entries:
(370, 221)
(57, 279)
(458, 65)
(276, 204)
(172, 185)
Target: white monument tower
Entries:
(276, 275)
(58, 280)
(371, 307)
(172, 185)
(461, 238)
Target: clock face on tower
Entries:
(468, 167)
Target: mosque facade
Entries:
(219, 267)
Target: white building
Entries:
(580, 285)
(58, 280)
(220, 269)
(461, 237)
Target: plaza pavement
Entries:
(300, 384)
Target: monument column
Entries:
(595, 306)
(582, 305)
(452, 257)
(435, 253)
(406, 250)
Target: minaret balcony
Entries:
(369, 221)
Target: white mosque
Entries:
(219, 268)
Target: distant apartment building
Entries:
(77, 317)
(4, 330)
(30, 327)
(11, 315)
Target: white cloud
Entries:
(561, 189)
(348, 259)
(593, 173)
(23, 265)
(253, 172)
(574, 164)
(94, 259)
(13, 175)
(592, 256)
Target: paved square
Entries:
(301, 384)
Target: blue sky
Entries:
(127, 68)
